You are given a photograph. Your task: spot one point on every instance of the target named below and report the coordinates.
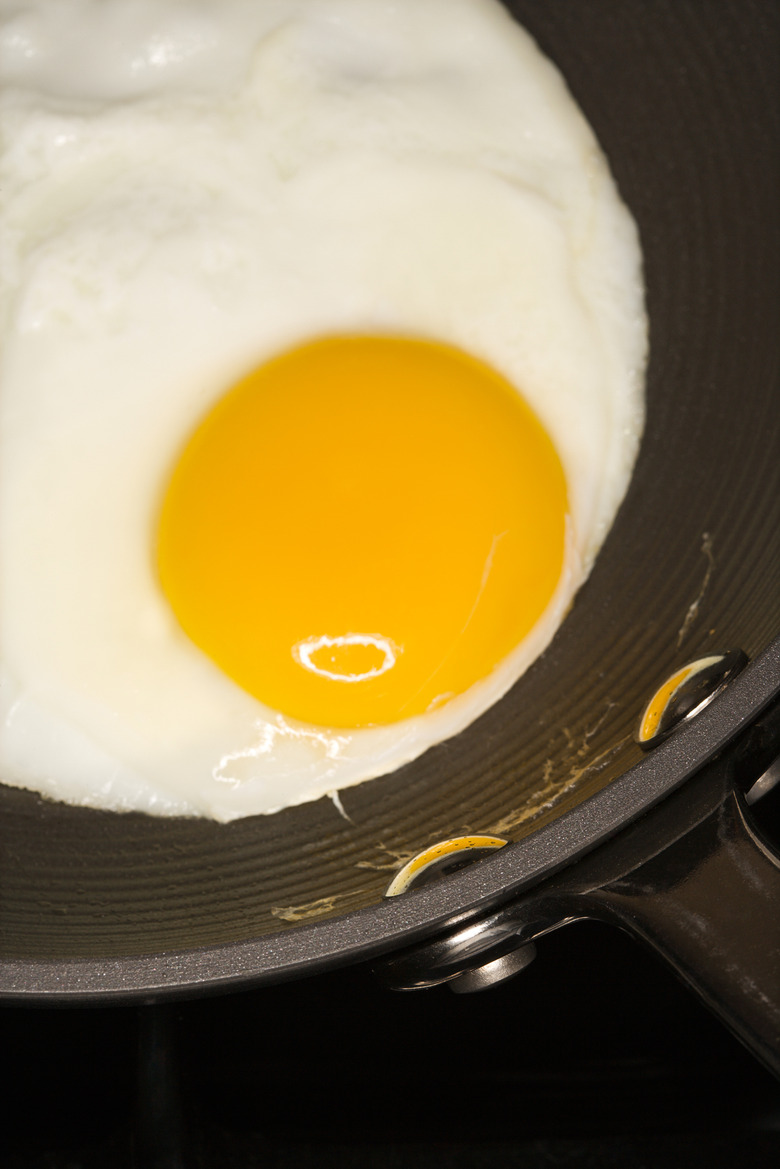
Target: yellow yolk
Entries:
(363, 528)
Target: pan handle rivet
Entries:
(685, 693)
(442, 859)
(499, 970)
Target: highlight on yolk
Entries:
(363, 528)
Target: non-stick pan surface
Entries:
(684, 99)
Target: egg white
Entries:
(191, 187)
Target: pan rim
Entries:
(369, 932)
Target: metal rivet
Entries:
(448, 856)
(499, 970)
(685, 693)
(764, 784)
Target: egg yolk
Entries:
(363, 528)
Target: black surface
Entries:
(684, 98)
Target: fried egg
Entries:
(321, 382)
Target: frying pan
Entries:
(97, 906)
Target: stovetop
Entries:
(593, 1057)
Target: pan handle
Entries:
(693, 878)
(709, 904)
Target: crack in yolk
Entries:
(362, 528)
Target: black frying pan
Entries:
(684, 100)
